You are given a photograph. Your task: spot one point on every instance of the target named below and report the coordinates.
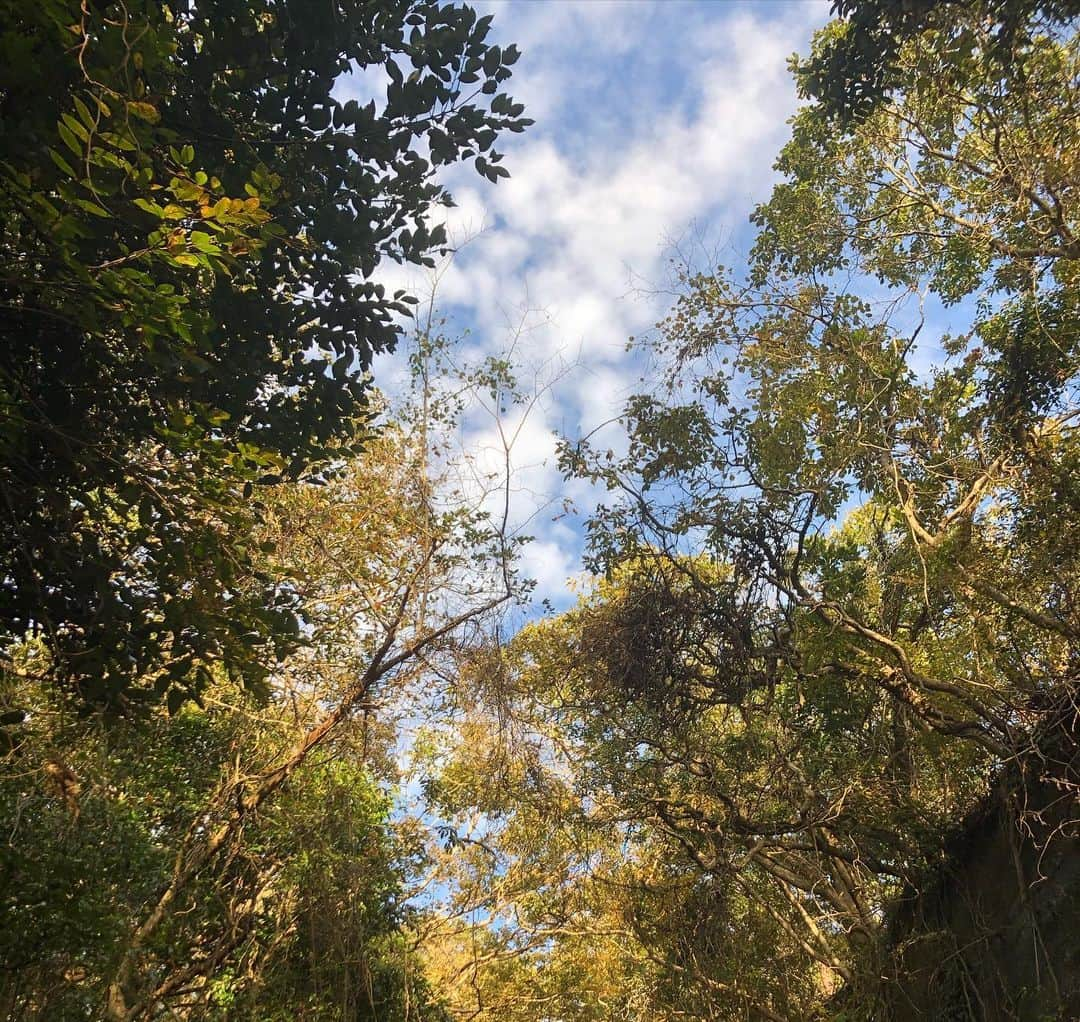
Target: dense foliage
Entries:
(194, 200)
(237, 859)
(807, 745)
(193, 203)
(836, 597)
(302, 916)
(862, 61)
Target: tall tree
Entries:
(235, 860)
(837, 584)
(860, 61)
(193, 207)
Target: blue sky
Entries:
(657, 122)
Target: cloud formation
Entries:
(653, 120)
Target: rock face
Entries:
(998, 935)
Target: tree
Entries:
(569, 900)
(394, 575)
(302, 918)
(235, 859)
(193, 211)
(836, 581)
(860, 62)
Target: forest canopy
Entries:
(192, 214)
(282, 736)
(827, 664)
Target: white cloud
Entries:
(651, 116)
(551, 565)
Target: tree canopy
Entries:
(834, 605)
(861, 60)
(806, 745)
(194, 200)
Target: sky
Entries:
(657, 122)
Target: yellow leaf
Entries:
(145, 111)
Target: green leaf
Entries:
(84, 113)
(150, 207)
(76, 127)
(62, 163)
(92, 207)
(118, 140)
(69, 139)
(204, 243)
